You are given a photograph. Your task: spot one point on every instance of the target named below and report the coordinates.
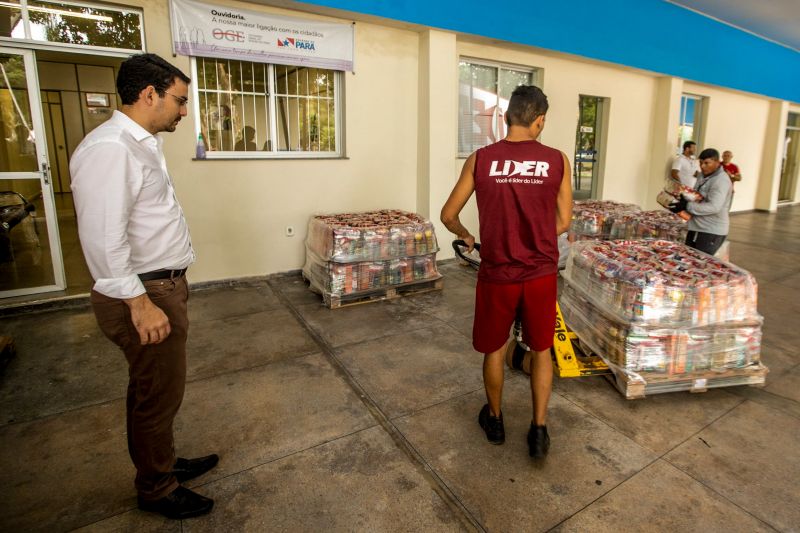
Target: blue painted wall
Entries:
(648, 34)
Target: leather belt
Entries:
(162, 274)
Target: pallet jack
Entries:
(571, 357)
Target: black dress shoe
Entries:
(538, 441)
(186, 469)
(178, 504)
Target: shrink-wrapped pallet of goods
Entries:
(664, 316)
(355, 257)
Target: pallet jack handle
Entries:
(459, 246)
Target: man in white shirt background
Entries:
(685, 168)
(137, 246)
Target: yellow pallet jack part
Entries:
(570, 361)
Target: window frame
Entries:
(698, 127)
(272, 100)
(536, 79)
(29, 41)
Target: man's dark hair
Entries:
(527, 103)
(709, 153)
(687, 144)
(141, 70)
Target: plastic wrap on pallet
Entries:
(370, 236)
(649, 225)
(593, 219)
(563, 250)
(345, 279)
(657, 282)
(656, 351)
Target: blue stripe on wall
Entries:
(647, 34)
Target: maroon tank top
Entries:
(516, 185)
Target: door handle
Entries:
(46, 173)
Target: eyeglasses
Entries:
(182, 100)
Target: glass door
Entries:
(587, 147)
(30, 252)
(791, 159)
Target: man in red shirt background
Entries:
(732, 169)
(524, 201)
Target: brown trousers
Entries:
(157, 378)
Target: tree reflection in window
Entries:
(91, 26)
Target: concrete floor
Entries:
(364, 419)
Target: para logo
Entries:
(300, 44)
(228, 35)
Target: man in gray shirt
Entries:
(708, 226)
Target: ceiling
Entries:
(776, 20)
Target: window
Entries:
(256, 109)
(483, 93)
(690, 126)
(72, 23)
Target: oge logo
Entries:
(228, 35)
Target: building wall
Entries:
(400, 132)
(238, 210)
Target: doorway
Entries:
(588, 143)
(30, 249)
(790, 160)
(78, 94)
(49, 101)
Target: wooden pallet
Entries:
(633, 388)
(384, 293)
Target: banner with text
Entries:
(211, 31)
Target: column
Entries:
(438, 122)
(664, 136)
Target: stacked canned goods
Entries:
(649, 225)
(654, 307)
(604, 220)
(593, 219)
(370, 236)
(351, 254)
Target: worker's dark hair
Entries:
(687, 144)
(142, 70)
(709, 153)
(527, 103)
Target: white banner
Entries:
(212, 31)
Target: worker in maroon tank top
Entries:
(524, 202)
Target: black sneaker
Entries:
(538, 441)
(179, 504)
(492, 425)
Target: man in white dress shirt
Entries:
(136, 242)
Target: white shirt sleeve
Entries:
(106, 183)
(676, 163)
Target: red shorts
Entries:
(497, 304)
